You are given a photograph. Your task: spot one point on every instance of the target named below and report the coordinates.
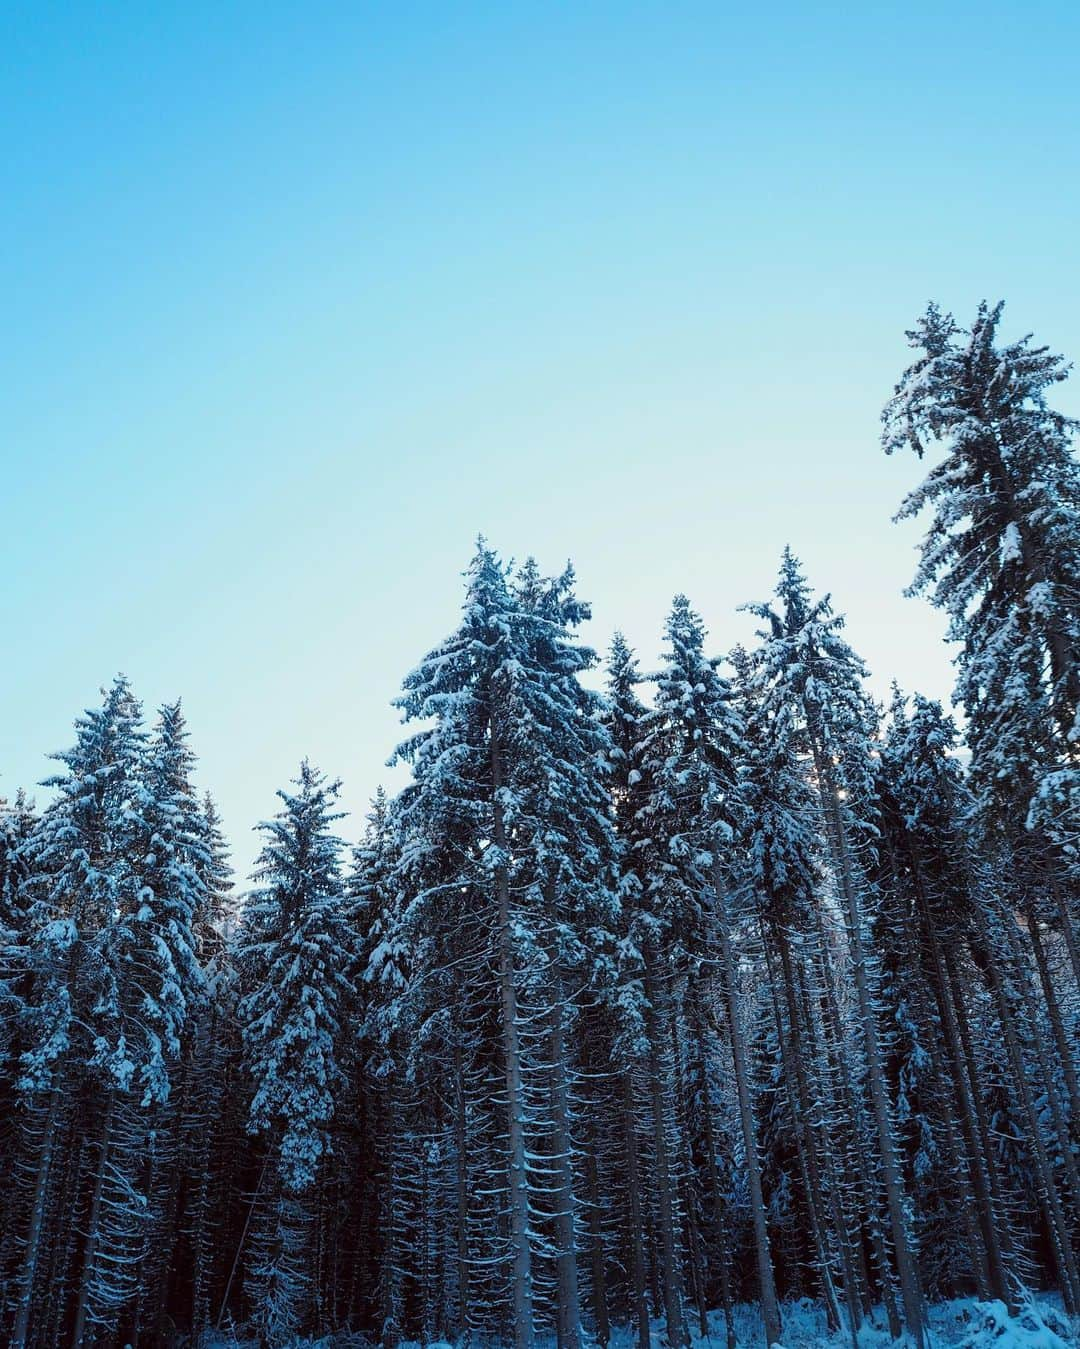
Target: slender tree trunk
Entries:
(1046, 1186)
(461, 1194)
(1057, 1112)
(869, 1190)
(798, 1096)
(719, 1217)
(693, 1228)
(770, 1309)
(521, 1254)
(980, 1164)
(906, 1268)
(656, 1023)
(969, 1078)
(37, 1220)
(1057, 1025)
(390, 1334)
(1068, 926)
(93, 1230)
(596, 1253)
(633, 1185)
(565, 1235)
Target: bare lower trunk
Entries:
(719, 1217)
(1046, 1188)
(868, 1189)
(462, 1195)
(907, 1271)
(657, 1021)
(565, 1235)
(633, 1184)
(37, 1221)
(789, 1039)
(1057, 1025)
(596, 1254)
(518, 1180)
(979, 1162)
(93, 1231)
(1057, 1112)
(770, 1309)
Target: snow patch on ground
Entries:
(962, 1323)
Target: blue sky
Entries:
(299, 299)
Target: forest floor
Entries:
(962, 1323)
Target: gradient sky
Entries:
(299, 299)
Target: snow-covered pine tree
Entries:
(295, 966)
(783, 846)
(17, 820)
(209, 1110)
(509, 777)
(101, 1008)
(374, 906)
(167, 983)
(804, 659)
(690, 753)
(926, 833)
(625, 1024)
(1002, 558)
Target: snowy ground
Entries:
(960, 1324)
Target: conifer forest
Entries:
(656, 993)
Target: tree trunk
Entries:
(910, 1292)
(461, 1195)
(521, 1254)
(633, 1185)
(1045, 1067)
(869, 1204)
(1046, 1187)
(770, 1309)
(798, 1096)
(596, 1254)
(37, 1221)
(980, 1163)
(1053, 1009)
(722, 1254)
(656, 1023)
(565, 1235)
(93, 1229)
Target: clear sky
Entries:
(300, 298)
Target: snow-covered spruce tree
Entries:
(926, 835)
(783, 847)
(209, 1121)
(17, 821)
(657, 1151)
(509, 775)
(295, 967)
(568, 850)
(169, 982)
(805, 660)
(374, 916)
(690, 752)
(110, 959)
(1002, 558)
(964, 906)
(636, 1072)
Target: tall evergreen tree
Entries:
(805, 661)
(509, 777)
(1002, 558)
(691, 751)
(295, 963)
